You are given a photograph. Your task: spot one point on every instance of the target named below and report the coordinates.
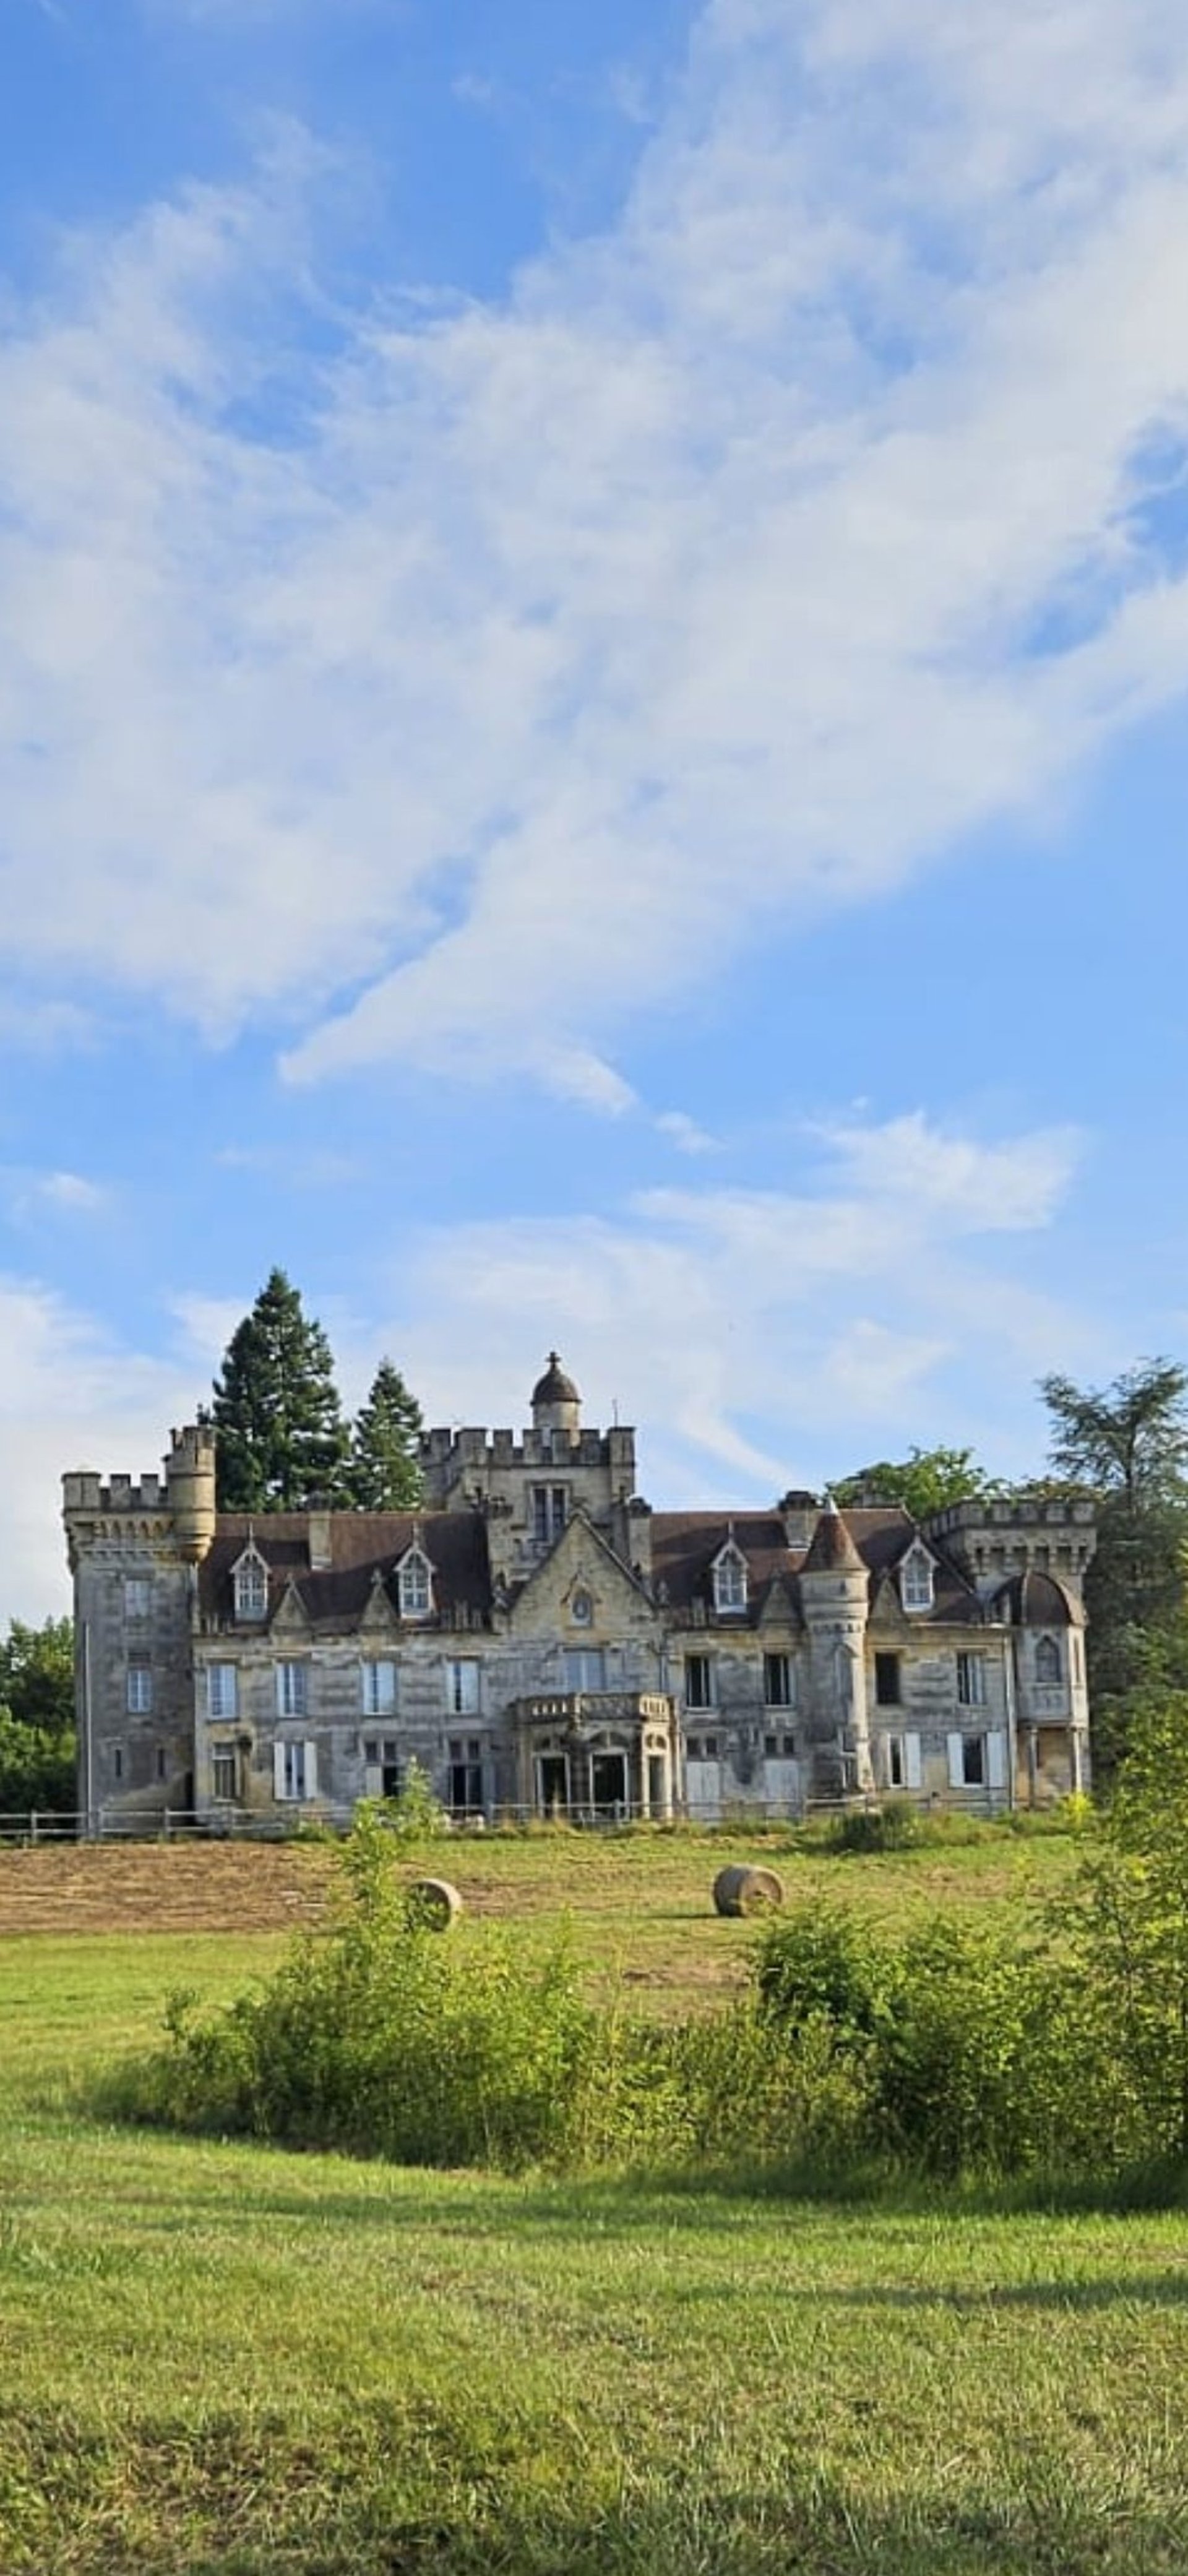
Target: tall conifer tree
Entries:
(385, 1474)
(282, 1442)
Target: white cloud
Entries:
(980, 1189)
(685, 1133)
(31, 1195)
(69, 1397)
(532, 656)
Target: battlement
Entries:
(1030, 1534)
(182, 1499)
(85, 1491)
(473, 1456)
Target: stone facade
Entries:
(540, 1641)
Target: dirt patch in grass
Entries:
(162, 1887)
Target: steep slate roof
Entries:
(684, 1545)
(832, 1550)
(361, 1543)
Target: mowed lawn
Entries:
(223, 2360)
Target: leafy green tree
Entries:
(1128, 1440)
(926, 1481)
(282, 1441)
(385, 1473)
(1126, 1445)
(1127, 1924)
(37, 1741)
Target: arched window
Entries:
(1048, 1666)
(915, 1580)
(730, 1579)
(415, 1579)
(251, 1585)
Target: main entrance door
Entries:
(608, 1783)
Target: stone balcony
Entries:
(576, 1712)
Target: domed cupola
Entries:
(556, 1404)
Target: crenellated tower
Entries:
(133, 1545)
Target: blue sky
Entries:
(593, 654)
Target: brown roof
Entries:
(362, 1544)
(832, 1550)
(877, 1537)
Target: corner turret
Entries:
(190, 1486)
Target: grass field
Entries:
(221, 2360)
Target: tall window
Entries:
(416, 1585)
(1047, 1661)
(140, 1690)
(379, 1689)
(222, 1690)
(295, 1771)
(549, 1512)
(699, 1681)
(466, 1776)
(777, 1681)
(915, 1580)
(138, 1597)
(462, 1686)
(292, 1690)
(888, 1681)
(973, 1762)
(730, 1579)
(971, 1681)
(251, 1586)
(224, 1773)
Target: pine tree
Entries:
(385, 1474)
(282, 1442)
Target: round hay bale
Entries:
(433, 1903)
(740, 1890)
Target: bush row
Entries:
(1033, 2047)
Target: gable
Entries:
(581, 1563)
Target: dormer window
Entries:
(730, 1580)
(916, 1579)
(414, 1576)
(251, 1585)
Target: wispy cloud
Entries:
(761, 1336)
(30, 1194)
(459, 696)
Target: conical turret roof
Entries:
(832, 1550)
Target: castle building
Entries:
(541, 1642)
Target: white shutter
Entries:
(956, 1762)
(278, 1770)
(311, 1770)
(996, 1760)
(911, 1749)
